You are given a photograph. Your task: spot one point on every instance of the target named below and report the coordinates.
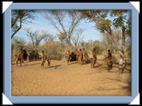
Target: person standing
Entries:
(42, 59)
(81, 56)
(94, 60)
(84, 56)
(21, 57)
(109, 60)
(67, 56)
(77, 54)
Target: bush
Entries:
(54, 49)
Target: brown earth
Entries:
(74, 79)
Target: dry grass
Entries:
(72, 80)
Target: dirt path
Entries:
(71, 80)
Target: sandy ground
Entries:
(74, 79)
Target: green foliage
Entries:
(103, 25)
(94, 15)
(117, 12)
(19, 17)
(118, 22)
(128, 27)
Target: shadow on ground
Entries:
(55, 67)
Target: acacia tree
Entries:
(36, 37)
(57, 19)
(77, 36)
(49, 38)
(18, 18)
(105, 26)
(62, 37)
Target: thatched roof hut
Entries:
(29, 52)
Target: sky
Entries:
(39, 23)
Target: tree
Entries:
(119, 22)
(49, 38)
(18, 18)
(62, 37)
(128, 27)
(77, 36)
(36, 37)
(82, 43)
(57, 19)
(105, 26)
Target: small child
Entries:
(48, 61)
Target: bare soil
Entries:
(74, 79)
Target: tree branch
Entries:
(17, 29)
(14, 21)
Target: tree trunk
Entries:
(111, 47)
(121, 53)
(123, 43)
(69, 40)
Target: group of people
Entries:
(81, 57)
(44, 58)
